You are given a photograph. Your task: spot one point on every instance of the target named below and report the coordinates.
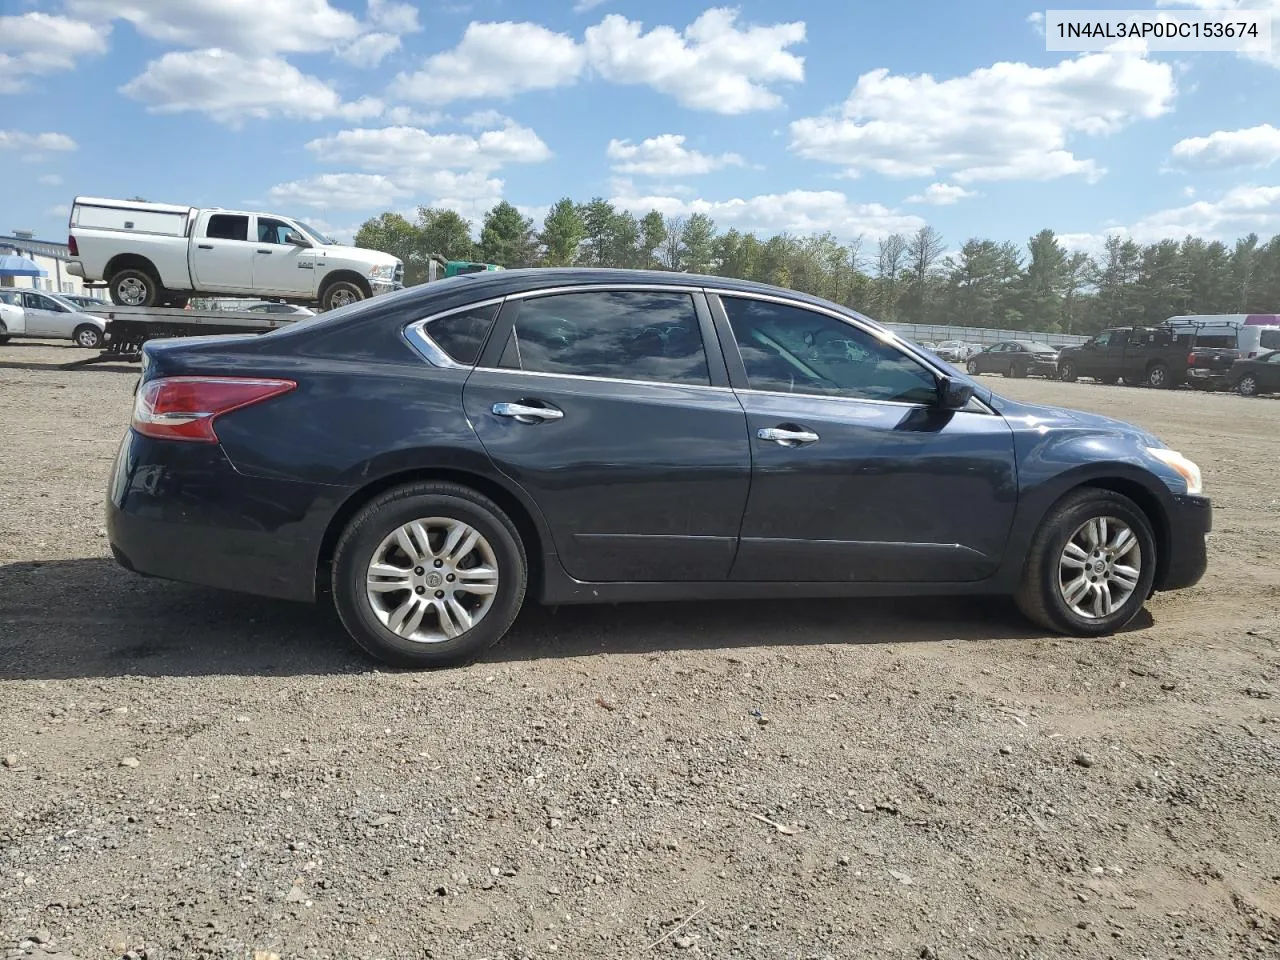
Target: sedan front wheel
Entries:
(1090, 566)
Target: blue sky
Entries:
(862, 118)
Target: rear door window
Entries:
(227, 226)
(1269, 340)
(619, 334)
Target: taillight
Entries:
(71, 244)
(1191, 359)
(184, 408)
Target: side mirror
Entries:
(954, 394)
(297, 239)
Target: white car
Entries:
(157, 254)
(47, 316)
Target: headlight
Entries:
(1188, 470)
(384, 272)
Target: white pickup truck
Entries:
(157, 254)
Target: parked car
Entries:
(953, 351)
(48, 316)
(86, 303)
(158, 254)
(1259, 375)
(1015, 358)
(1250, 333)
(430, 457)
(1157, 356)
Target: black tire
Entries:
(1016, 371)
(1248, 386)
(88, 336)
(342, 293)
(178, 303)
(972, 367)
(4, 338)
(1158, 376)
(1067, 372)
(1039, 595)
(383, 515)
(124, 285)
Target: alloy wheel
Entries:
(1100, 567)
(431, 580)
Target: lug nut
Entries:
(419, 590)
(439, 563)
(439, 594)
(451, 578)
(418, 571)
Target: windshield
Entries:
(316, 235)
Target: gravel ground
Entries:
(186, 773)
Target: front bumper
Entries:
(385, 286)
(181, 511)
(1186, 550)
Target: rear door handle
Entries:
(788, 435)
(264, 251)
(526, 413)
(205, 246)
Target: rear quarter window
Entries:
(1269, 340)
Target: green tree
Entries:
(623, 240)
(653, 231)
(444, 232)
(697, 238)
(671, 252)
(597, 221)
(507, 237)
(562, 233)
(1044, 282)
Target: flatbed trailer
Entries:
(128, 328)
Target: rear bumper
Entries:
(180, 511)
(1190, 521)
(1205, 375)
(1043, 368)
(74, 267)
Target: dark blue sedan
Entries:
(428, 458)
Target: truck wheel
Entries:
(1158, 376)
(4, 338)
(134, 288)
(341, 293)
(1067, 372)
(88, 336)
(1248, 386)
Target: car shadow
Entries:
(108, 366)
(91, 619)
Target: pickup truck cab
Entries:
(155, 254)
(1157, 356)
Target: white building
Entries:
(49, 256)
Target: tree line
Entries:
(902, 278)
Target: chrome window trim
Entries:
(607, 287)
(416, 336)
(593, 379)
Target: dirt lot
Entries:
(192, 774)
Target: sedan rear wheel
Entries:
(429, 575)
(1248, 386)
(1091, 565)
(972, 367)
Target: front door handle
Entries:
(525, 413)
(788, 435)
(264, 251)
(205, 246)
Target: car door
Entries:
(45, 317)
(222, 255)
(1269, 370)
(607, 407)
(989, 360)
(857, 473)
(281, 268)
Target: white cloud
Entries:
(495, 60)
(36, 142)
(712, 65)
(404, 150)
(49, 180)
(582, 6)
(1037, 22)
(394, 17)
(665, 155)
(1272, 58)
(942, 194)
(796, 211)
(370, 50)
(486, 118)
(470, 193)
(230, 88)
(403, 116)
(243, 26)
(1009, 121)
(1223, 149)
(1241, 210)
(40, 43)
